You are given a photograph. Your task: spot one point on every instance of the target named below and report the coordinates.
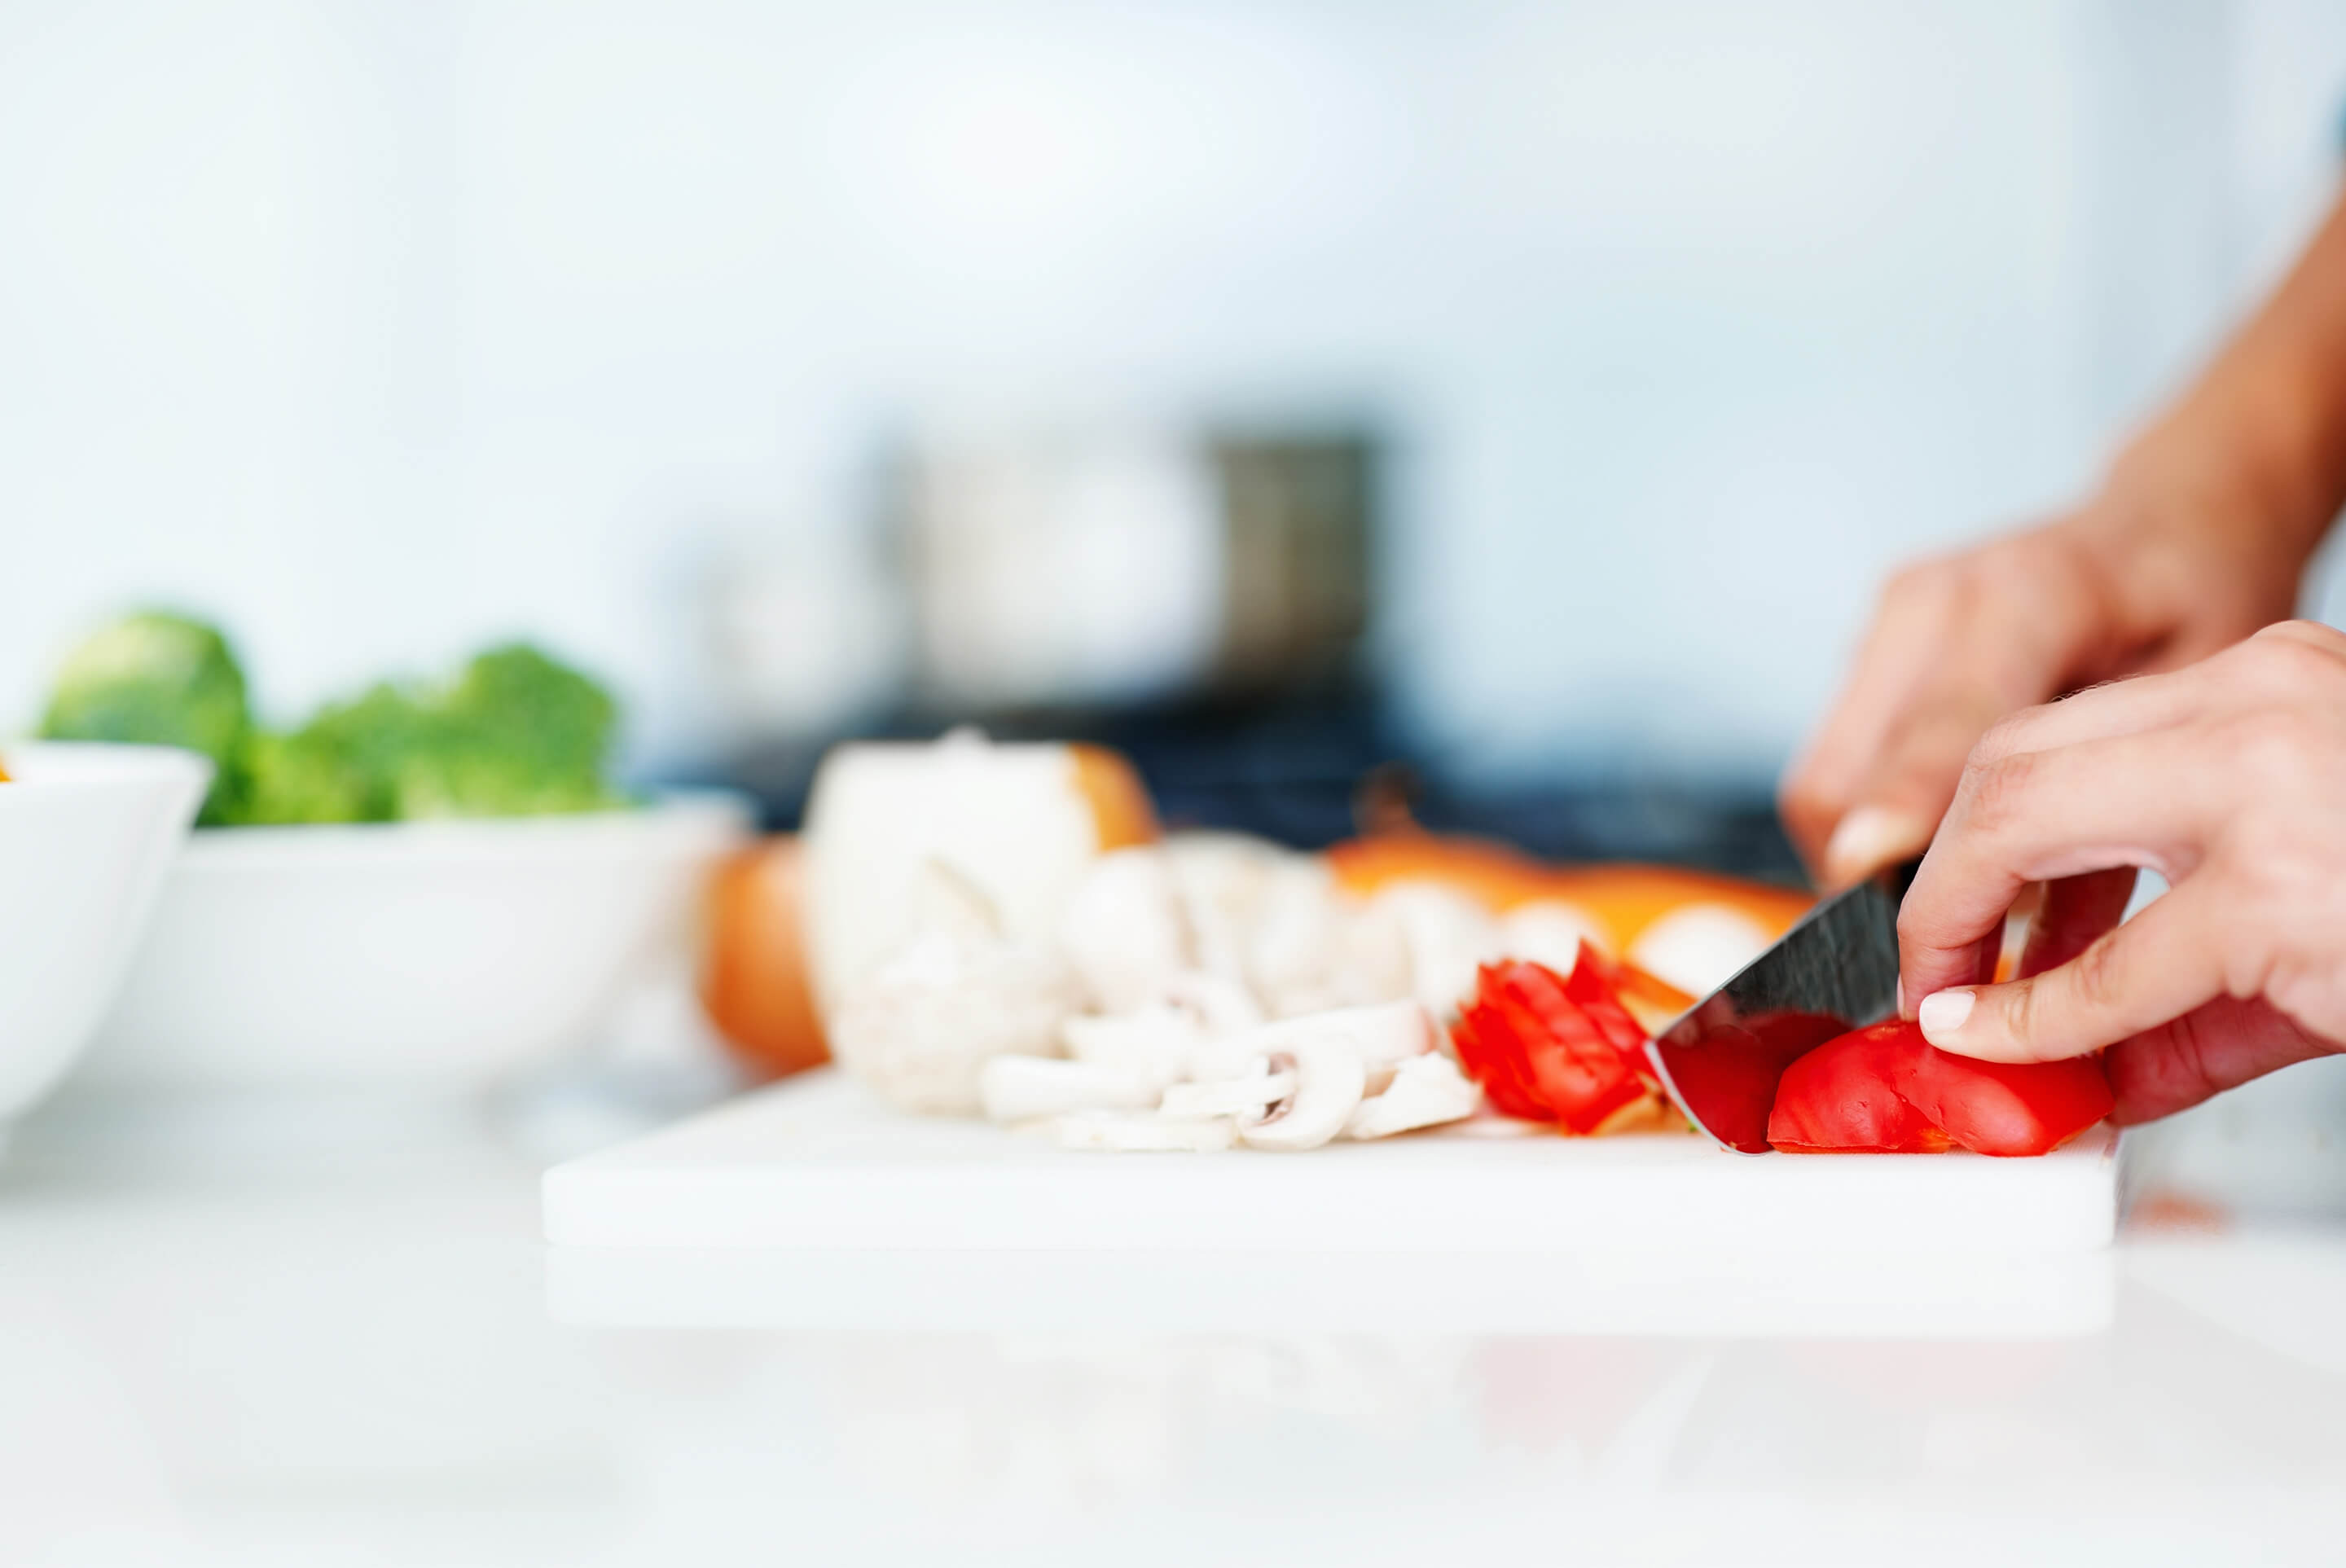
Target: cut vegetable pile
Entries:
(998, 931)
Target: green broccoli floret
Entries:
(161, 679)
(372, 737)
(298, 778)
(518, 734)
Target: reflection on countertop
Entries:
(318, 1333)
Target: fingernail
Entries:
(1943, 1014)
(1871, 838)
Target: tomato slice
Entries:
(2006, 1107)
(1885, 1089)
(1731, 1072)
(1486, 1051)
(1842, 1097)
(1550, 1049)
(1593, 989)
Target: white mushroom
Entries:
(1220, 1006)
(1329, 1079)
(1445, 936)
(1550, 931)
(920, 1028)
(1218, 879)
(1425, 1092)
(1124, 931)
(1189, 1032)
(1377, 1036)
(1296, 936)
(1698, 947)
(947, 902)
(1153, 1046)
(1021, 1088)
(1143, 1132)
(1245, 1093)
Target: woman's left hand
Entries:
(2229, 779)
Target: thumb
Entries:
(2154, 968)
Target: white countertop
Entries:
(257, 1334)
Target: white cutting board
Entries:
(817, 1164)
(810, 1206)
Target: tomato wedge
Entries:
(1548, 1048)
(1887, 1090)
(1841, 1098)
(2006, 1107)
(1733, 1073)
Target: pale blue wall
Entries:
(381, 327)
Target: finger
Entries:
(2099, 713)
(2158, 966)
(2036, 816)
(2075, 912)
(2017, 636)
(1895, 654)
(2197, 1056)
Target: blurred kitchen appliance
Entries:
(1109, 567)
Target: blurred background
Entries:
(1530, 393)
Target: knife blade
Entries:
(1835, 971)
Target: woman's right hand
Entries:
(2153, 575)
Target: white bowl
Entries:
(423, 955)
(86, 835)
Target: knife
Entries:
(1835, 970)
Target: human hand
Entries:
(2228, 778)
(2157, 572)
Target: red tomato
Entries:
(1550, 1049)
(1731, 1072)
(1840, 1097)
(1885, 1089)
(2006, 1107)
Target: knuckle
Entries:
(2023, 1014)
(2273, 751)
(2096, 981)
(1996, 790)
(2008, 737)
(2290, 655)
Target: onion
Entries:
(753, 981)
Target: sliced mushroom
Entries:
(1021, 1088)
(1249, 1093)
(1220, 1005)
(1379, 1035)
(1425, 1092)
(1144, 1132)
(1152, 1046)
(1329, 1079)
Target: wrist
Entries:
(2244, 477)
